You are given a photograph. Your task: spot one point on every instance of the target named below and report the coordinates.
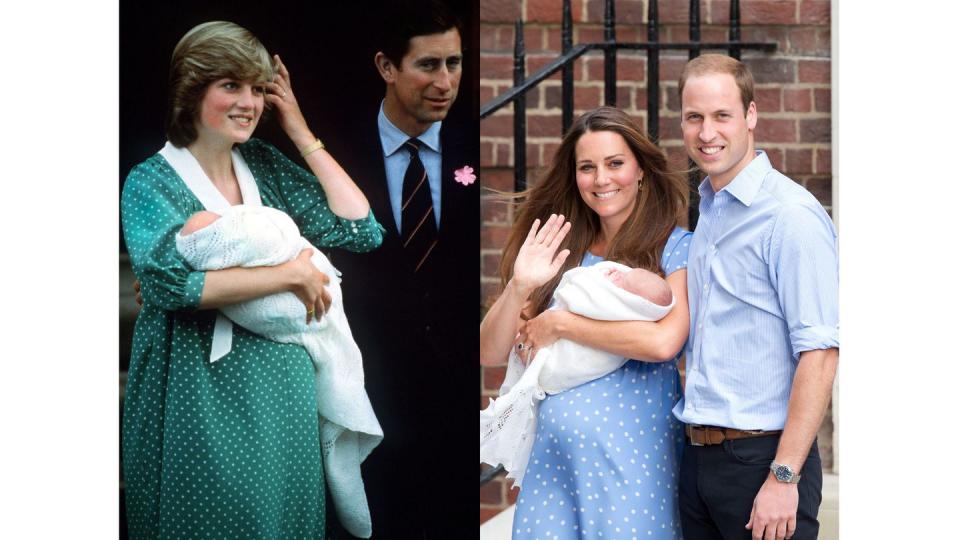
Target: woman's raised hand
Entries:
(538, 261)
(309, 285)
(280, 95)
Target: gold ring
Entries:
(311, 312)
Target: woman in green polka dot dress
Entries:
(220, 430)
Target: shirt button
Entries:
(706, 286)
(713, 247)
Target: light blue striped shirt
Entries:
(762, 281)
(396, 160)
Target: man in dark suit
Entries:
(413, 304)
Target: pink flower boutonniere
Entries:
(465, 175)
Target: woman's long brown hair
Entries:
(639, 242)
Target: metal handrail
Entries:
(578, 50)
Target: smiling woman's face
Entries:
(608, 176)
(230, 110)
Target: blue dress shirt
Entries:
(762, 280)
(396, 160)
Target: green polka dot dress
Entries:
(230, 449)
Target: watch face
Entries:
(783, 473)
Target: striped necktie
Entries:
(417, 222)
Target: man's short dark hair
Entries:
(407, 19)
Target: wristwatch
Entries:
(783, 473)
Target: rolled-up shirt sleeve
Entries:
(804, 270)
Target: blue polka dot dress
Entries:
(605, 462)
(229, 449)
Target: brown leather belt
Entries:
(708, 435)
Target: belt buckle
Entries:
(690, 430)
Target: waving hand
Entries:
(538, 261)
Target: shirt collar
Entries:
(746, 184)
(392, 137)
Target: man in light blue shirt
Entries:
(763, 346)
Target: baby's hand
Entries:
(614, 275)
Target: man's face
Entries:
(717, 132)
(425, 84)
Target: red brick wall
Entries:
(792, 94)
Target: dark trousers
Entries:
(718, 484)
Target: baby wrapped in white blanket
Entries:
(250, 236)
(606, 291)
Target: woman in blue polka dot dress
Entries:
(605, 460)
(220, 430)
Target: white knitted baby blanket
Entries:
(252, 236)
(509, 423)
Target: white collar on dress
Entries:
(188, 169)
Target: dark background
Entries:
(328, 49)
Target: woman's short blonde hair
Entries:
(209, 52)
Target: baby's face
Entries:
(636, 281)
(198, 221)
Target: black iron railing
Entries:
(570, 52)
(564, 62)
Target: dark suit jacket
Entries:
(419, 335)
